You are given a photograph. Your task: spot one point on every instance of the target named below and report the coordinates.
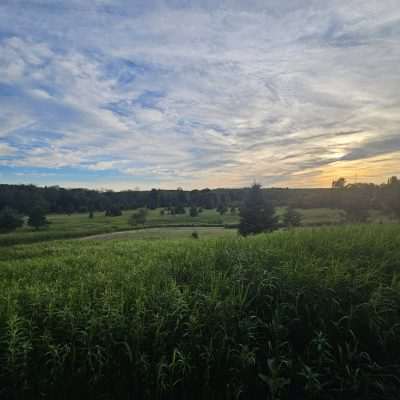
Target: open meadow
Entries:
(63, 226)
(308, 313)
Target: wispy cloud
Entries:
(195, 93)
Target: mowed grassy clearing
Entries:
(301, 314)
(167, 233)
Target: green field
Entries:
(166, 233)
(300, 314)
(79, 225)
(64, 226)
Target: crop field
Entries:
(310, 313)
(64, 226)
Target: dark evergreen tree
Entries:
(291, 218)
(222, 209)
(138, 218)
(180, 209)
(193, 212)
(256, 214)
(10, 220)
(37, 218)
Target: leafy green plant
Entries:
(304, 313)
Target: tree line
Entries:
(55, 199)
(256, 205)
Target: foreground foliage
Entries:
(307, 313)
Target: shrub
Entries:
(179, 210)
(113, 211)
(138, 218)
(193, 212)
(10, 220)
(37, 218)
(292, 218)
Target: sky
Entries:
(115, 94)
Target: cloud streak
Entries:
(170, 93)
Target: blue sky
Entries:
(124, 94)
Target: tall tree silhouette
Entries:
(257, 214)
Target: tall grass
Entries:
(305, 314)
